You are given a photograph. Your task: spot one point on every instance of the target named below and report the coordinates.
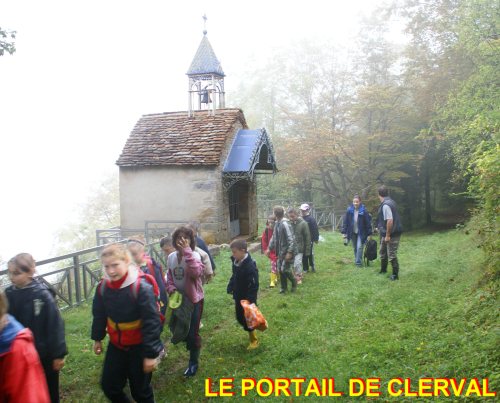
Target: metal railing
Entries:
(153, 230)
(326, 216)
(73, 276)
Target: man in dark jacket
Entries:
(305, 210)
(390, 228)
(244, 284)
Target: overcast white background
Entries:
(85, 71)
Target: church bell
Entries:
(205, 97)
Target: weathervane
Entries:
(204, 23)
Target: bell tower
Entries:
(206, 79)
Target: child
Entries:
(125, 307)
(149, 266)
(21, 374)
(32, 303)
(266, 238)
(283, 244)
(244, 284)
(184, 274)
(302, 241)
(167, 247)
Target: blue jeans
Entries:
(358, 249)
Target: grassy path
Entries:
(343, 322)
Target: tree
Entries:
(7, 43)
(101, 211)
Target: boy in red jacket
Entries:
(21, 375)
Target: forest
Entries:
(417, 111)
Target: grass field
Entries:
(342, 323)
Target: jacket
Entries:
(181, 321)
(244, 283)
(35, 307)
(129, 320)
(150, 266)
(208, 272)
(397, 226)
(283, 240)
(313, 227)
(203, 246)
(264, 243)
(193, 268)
(302, 236)
(21, 374)
(364, 223)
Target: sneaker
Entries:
(394, 277)
(382, 272)
(282, 291)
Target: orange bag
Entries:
(253, 316)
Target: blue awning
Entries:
(251, 153)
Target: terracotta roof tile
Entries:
(173, 138)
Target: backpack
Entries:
(135, 289)
(370, 251)
(155, 267)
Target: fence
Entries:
(74, 276)
(326, 216)
(152, 231)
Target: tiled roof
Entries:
(173, 138)
(205, 61)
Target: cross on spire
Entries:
(204, 23)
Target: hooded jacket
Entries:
(35, 307)
(244, 283)
(21, 375)
(302, 236)
(117, 309)
(283, 240)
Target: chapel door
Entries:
(234, 211)
(239, 214)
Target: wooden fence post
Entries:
(76, 271)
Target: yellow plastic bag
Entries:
(253, 316)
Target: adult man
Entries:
(305, 210)
(302, 239)
(390, 228)
(283, 243)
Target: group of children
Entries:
(289, 243)
(129, 306)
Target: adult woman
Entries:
(357, 228)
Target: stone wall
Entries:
(183, 194)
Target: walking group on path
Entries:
(134, 296)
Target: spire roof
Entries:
(205, 61)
